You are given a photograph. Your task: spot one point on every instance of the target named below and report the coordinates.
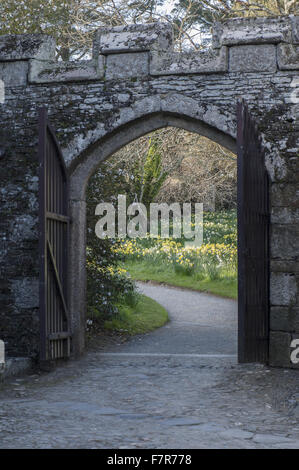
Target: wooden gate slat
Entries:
(57, 279)
(253, 243)
(58, 217)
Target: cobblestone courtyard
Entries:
(135, 395)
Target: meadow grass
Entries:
(212, 267)
(225, 286)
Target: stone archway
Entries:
(85, 167)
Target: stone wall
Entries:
(133, 84)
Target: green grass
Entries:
(143, 271)
(146, 316)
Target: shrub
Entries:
(107, 284)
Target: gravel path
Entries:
(178, 387)
(200, 324)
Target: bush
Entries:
(107, 285)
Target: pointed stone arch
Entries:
(82, 166)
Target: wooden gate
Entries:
(253, 242)
(54, 227)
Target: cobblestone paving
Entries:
(113, 399)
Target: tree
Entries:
(207, 173)
(51, 17)
(266, 7)
(149, 176)
(73, 22)
(206, 12)
(182, 167)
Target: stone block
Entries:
(26, 292)
(284, 215)
(47, 72)
(284, 318)
(279, 350)
(119, 66)
(133, 38)
(14, 73)
(284, 266)
(16, 366)
(284, 241)
(295, 29)
(24, 227)
(260, 58)
(27, 46)
(185, 63)
(285, 195)
(283, 289)
(275, 161)
(288, 57)
(258, 30)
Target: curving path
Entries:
(199, 324)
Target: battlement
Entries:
(26, 46)
(238, 45)
(259, 30)
(133, 38)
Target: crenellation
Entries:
(247, 44)
(255, 30)
(27, 46)
(133, 38)
(288, 57)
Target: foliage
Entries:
(215, 259)
(146, 315)
(266, 7)
(148, 176)
(224, 286)
(107, 284)
(206, 12)
(73, 22)
(192, 168)
(52, 17)
(142, 168)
